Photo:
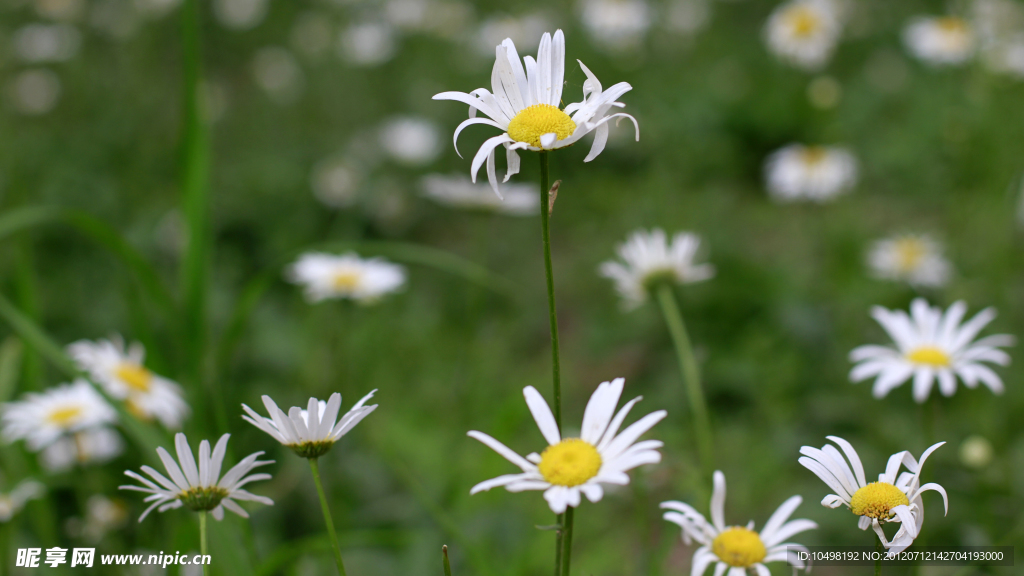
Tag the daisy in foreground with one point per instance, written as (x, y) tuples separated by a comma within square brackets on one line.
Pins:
[(571, 466), (737, 548), (648, 258), (930, 345), (121, 372), (914, 259), (894, 498), (940, 41), (327, 276), (816, 173), (524, 104), (804, 32), (311, 433), (200, 489)]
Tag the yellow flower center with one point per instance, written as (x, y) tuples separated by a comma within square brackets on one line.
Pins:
[(877, 500), (346, 281), (909, 252), (952, 25), (803, 22), (540, 119), (813, 155), (136, 377), (929, 355), (739, 547), (65, 416), (571, 462)]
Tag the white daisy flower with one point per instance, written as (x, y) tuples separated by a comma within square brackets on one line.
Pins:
[(120, 370), (737, 548), (460, 192), (525, 103), (90, 446), (12, 502), (894, 498), (911, 258), (804, 32), (571, 466), (931, 345), (200, 488), (816, 173), (649, 258), (305, 438), (940, 41), (326, 276), (42, 418), (616, 24)]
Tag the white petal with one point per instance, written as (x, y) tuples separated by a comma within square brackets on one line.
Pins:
[(542, 414)]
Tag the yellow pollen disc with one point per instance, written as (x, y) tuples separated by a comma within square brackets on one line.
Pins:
[(909, 252), (876, 500), (346, 281), (803, 21), (813, 155), (65, 416), (953, 25), (540, 119), (739, 547), (136, 377), (571, 462), (929, 355)]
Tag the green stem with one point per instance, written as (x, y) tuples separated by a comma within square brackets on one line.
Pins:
[(559, 519), (556, 379), (327, 515), (447, 566), (691, 372), (567, 555), (879, 551), (203, 549)]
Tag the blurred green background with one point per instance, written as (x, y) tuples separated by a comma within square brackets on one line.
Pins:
[(289, 99)]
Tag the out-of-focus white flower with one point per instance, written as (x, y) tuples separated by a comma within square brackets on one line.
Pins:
[(805, 32), (915, 259), (931, 345), (940, 41), (894, 498), (649, 258), (60, 9), (460, 192), (240, 14), (156, 8), (41, 418), (102, 515), (117, 19), (995, 20), (407, 14), (12, 502), (309, 438), (326, 276), (34, 92), (616, 24), (201, 488), (312, 34), (688, 16), (367, 43), (336, 182), (121, 372), (90, 446), (410, 140), (1007, 56), (520, 30), (737, 548), (40, 43), (815, 173), (447, 18), (976, 452), (278, 73)]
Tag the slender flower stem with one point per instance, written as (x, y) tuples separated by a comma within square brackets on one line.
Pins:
[(556, 379), (567, 555), (327, 515), (202, 541), (879, 552), (447, 566), (691, 372)]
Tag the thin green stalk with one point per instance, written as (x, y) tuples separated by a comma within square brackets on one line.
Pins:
[(202, 541), (879, 552), (556, 379), (691, 373), (327, 515), (559, 519), (567, 555), (447, 566)]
